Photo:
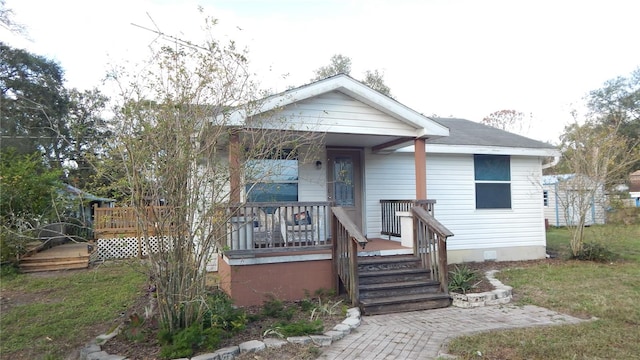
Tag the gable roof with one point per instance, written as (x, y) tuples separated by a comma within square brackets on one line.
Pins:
[(425, 126)]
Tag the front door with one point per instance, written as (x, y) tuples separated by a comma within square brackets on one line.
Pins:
[(345, 182)]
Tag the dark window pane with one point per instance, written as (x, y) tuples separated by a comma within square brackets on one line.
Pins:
[(493, 196), (343, 186), (492, 167), (270, 192)]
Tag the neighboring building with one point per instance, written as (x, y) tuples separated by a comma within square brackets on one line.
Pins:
[(561, 199), (634, 187)]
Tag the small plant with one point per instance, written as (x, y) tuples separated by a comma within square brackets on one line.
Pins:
[(275, 308), (593, 251), (223, 315), (326, 309), (273, 331), (300, 328), (134, 330), (463, 279)]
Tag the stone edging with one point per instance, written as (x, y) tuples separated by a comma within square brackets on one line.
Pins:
[(501, 294), (92, 351)]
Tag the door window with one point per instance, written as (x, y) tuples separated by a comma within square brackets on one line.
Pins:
[(343, 186)]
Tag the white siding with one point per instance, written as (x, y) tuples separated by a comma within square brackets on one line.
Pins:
[(336, 112), (450, 181), (557, 216), (312, 183)]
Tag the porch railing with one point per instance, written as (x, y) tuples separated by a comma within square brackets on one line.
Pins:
[(262, 225), (430, 244), (124, 220), (346, 238), (391, 222)]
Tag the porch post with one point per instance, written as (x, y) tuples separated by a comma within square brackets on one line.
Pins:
[(234, 166), (420, 157)]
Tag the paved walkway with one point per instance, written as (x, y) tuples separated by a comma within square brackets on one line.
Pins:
[(422, 334)]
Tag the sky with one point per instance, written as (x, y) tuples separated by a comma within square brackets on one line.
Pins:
[(454, 58)]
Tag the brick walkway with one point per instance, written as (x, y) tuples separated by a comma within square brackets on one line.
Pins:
[(422, 334)]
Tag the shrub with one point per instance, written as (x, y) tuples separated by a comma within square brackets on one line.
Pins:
[(593, 251), (275, 308), (186, 341), (463, 279), (222, 314), (300, 328)]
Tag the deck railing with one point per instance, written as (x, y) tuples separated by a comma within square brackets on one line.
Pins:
[(262, 225), (430, 244), (389, 208), (346, 238), (124, 220)]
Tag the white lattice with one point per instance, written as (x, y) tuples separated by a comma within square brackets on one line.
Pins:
[(124, 248)]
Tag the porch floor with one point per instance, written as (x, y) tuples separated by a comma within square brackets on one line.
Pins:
[(382, 247)]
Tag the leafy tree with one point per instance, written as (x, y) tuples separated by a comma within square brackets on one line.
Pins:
[(33, 104), (599, 157), (617, 104), (340, 64), (87, 136), (175, 129), (29, 192)]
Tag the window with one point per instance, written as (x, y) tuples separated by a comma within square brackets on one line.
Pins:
[(545, 197), (493, 181), (274, 179)]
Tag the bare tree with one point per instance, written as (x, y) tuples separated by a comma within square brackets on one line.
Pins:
[(507, 120), (182, 145)]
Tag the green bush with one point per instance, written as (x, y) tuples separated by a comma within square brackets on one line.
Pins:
[(222, 314), (593, 251), (275, 308), (185, 342), (300, 328), (463, 279)]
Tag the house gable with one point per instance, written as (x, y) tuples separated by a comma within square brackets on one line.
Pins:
[(321, 104)]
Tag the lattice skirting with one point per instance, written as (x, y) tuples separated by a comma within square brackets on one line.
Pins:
[(125, 248)]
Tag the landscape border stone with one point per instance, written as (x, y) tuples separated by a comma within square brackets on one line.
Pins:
[(93, 350), (501, 295)]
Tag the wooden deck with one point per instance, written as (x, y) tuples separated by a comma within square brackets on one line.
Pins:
[(61, 257)]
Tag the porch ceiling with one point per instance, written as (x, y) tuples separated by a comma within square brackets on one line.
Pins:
[(357, 140)]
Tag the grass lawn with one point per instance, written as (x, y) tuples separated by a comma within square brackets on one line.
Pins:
[(49, 315), (608, 291)]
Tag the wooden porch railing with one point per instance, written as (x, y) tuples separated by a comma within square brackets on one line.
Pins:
[(390, 222), (346, 238), (263, 225), (430, 244), (124, 220)]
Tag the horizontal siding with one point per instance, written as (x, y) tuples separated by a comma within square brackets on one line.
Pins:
[(338, 113), (522, 225), (388, 177), (312, 182)]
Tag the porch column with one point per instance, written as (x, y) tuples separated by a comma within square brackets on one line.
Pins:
[(420, 157), (234, 166)]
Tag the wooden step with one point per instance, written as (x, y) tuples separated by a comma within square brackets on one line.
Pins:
[(397, 275), (375, 263), (34, 260), (413, 302), (54, 267), (370, 291)]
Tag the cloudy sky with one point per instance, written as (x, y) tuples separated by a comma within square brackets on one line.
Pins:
[(450, 58)]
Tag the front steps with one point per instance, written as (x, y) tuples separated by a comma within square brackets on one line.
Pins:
[(397, 283), (62, 257)]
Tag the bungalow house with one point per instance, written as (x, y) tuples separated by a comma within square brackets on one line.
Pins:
[(564, 194), (471, 192)]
